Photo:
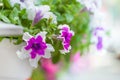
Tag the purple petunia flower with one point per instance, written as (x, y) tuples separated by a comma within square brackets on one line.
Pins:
[(37, 46), (99, 43), (98, 35), (38, 17), (97, 30), (66, 35)]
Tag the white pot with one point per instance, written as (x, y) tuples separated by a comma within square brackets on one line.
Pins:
[(11, 67)]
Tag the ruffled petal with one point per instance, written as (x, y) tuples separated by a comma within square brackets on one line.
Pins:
[(26, 36), (34, 62), (48, 51), (39, 38), (49, 15), (43, 8), (63, 26), (23, 54), (50, 48), (42, 34), (65, 51)]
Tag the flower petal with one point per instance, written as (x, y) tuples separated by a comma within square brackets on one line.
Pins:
[(43, 8), (42, 34), (50, 47), (38, 38), (34, 62), (65, 51), (41, 52), (49, 15), (23, 54), (26, 36), (48, 50), (33, 54), (62, 26)]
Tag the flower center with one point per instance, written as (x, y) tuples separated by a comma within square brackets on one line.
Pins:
[(66, 36), (36, 46)]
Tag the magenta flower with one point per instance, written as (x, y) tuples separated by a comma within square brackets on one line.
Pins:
[(66, 35), (37, 46)]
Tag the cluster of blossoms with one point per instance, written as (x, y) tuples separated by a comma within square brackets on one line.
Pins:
[(36, 46)]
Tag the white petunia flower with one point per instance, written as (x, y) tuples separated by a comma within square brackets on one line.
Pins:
[(35, 49), (36, 13), (13, 2), (91, 5), (49, 15)]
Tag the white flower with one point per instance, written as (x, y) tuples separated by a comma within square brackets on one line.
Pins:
[(42, 11), (49, 15), (35, 48), (91, 5), (13, 2), (32, 10)]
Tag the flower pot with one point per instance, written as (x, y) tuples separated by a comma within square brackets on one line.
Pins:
[(11, 67)]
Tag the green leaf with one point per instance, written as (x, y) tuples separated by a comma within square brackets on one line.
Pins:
[(55, 57), (14, 16), (7, 4), (18, 41), (37, 74), (1, 38), (69, 17), (23, 14), (4, 18)]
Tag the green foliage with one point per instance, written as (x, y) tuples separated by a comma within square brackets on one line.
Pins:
[(7, 4), (37, 74)]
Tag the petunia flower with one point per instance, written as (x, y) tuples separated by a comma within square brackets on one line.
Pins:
[(35, 49), (97, 33), (91, 5), (99, 43), (66, 35), (36, 13), (21, 2)]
